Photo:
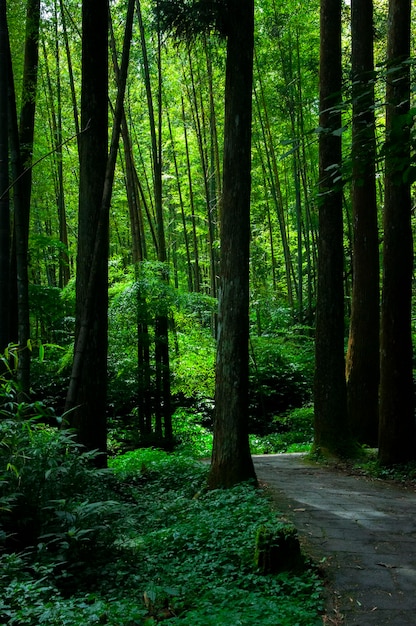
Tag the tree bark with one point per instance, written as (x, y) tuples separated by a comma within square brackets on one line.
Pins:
[(87, 390), (22, 207), (363, 363), (231, 459), (397, 425), (4, 184), (331, 424)]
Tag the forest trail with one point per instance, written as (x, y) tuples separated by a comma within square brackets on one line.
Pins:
[(363, 530)]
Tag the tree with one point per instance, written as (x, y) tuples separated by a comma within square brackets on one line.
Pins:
[(331, 423), (22, 205), (88, 402), (231, 459), (91, 427), (4, 183), (362, 366), (397, 426), (163, 416)]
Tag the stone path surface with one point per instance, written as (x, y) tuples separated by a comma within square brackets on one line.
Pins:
[(363, 531)]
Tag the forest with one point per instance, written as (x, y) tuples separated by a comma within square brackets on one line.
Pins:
[(206, 252)]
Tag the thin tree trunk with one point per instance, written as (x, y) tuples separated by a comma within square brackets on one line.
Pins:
[(274, 182), (200, 137), (70, 71), (4, 184), (196, 274), (22, 209), (64, 273), (182, 207), (163, 404)]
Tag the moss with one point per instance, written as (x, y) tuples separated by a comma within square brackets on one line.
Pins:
[(277, 549)]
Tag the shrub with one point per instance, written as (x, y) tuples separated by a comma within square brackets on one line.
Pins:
[(277, 384)]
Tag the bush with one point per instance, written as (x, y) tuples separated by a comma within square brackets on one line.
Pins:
[(174, 551), (277, 384), (293, 432), (49, 490)]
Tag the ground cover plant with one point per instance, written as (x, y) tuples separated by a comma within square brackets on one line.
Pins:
[(137, 543)]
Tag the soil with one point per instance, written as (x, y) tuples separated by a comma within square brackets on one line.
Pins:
[(360, 531)]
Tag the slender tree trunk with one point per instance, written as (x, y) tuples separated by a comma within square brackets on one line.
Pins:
[(64, 270), (274, 182), (182, 208), (362, 366), (397, 424), (4, 183), (231, 459), (163, 404), (70, 70), (16, 172), (22, 209), (199, 128), (331, 423), (196, 274)]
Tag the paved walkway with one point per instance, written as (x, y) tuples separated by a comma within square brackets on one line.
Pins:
[(364, 530)]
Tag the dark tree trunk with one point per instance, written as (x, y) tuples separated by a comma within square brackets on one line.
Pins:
[(196, 274), (363, 363), (89, 398), (397, 424), (4, 184), (86, 396), (163, 400), (331, 426), (231, 459), (22, 207)]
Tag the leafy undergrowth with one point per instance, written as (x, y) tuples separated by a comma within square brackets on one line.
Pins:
[(368, 464), (293, 432), (147, 543)]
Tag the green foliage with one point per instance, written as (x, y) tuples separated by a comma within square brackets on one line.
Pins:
[(277, 549), (158, 546), (278, 381), (206, 542), (293, 432), (186, 19), (193, 366), (48, 488), (368, 463), (191, 436)]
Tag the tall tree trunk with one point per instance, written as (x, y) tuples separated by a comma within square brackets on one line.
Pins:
[(22, 209), (182, 208), (90, 418), (397, 424), (199, 128), (231, 459), (274, 183), (331, 423), (163, 403), (196, 274), (362, 366), (87, 391), (4, 183), (64, 270)]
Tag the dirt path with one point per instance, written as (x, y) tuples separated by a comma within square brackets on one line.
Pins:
[(364, 530)]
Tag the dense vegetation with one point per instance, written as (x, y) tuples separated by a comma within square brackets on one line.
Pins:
[(131, 205), (138, 543)]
